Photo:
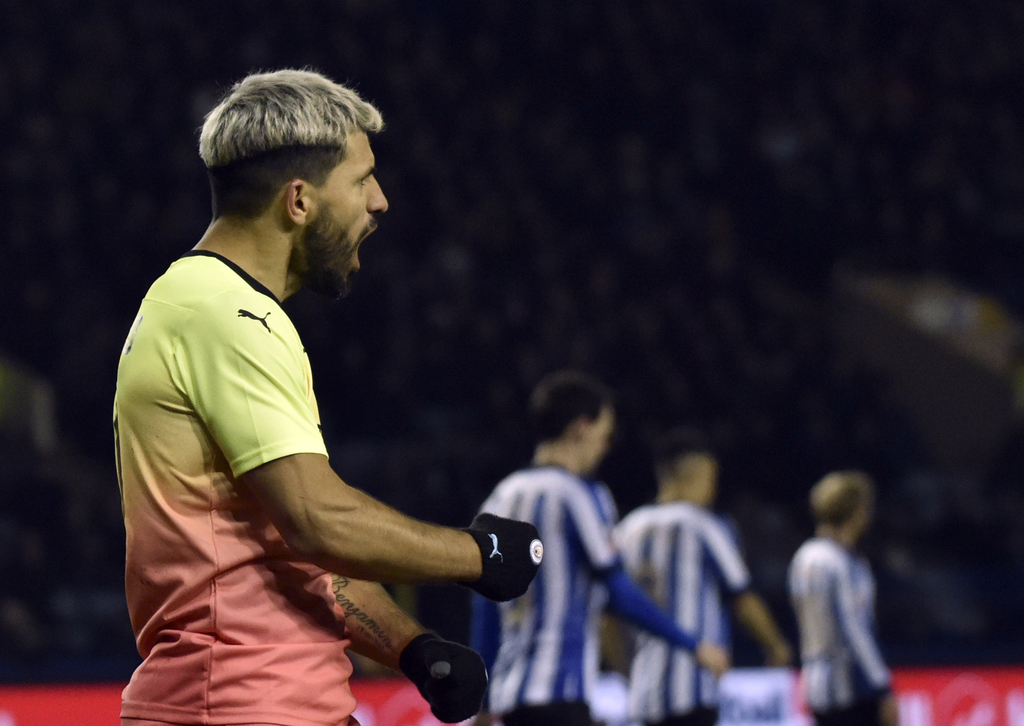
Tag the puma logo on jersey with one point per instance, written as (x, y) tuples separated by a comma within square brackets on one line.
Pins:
[(494, 539), (263, 320)]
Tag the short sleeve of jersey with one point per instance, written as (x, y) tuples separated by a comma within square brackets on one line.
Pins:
[(247, 380), (593, 523), (725, 552), (627, 540)]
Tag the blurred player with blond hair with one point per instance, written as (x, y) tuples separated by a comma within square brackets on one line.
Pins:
[(833, 592)]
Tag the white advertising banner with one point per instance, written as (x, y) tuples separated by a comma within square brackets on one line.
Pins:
[(747, 697), (760, 696)]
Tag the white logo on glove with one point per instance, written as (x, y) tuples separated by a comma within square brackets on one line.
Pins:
[(536, 551), (494, 539)]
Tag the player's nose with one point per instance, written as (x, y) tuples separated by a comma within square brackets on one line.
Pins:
[(377, 201)]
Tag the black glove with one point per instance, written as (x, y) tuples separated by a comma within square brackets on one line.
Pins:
[(451, 677), (511, 553)]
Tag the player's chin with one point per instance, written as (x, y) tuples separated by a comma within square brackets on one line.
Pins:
[(341, 288), (351, 265), (342, 282)]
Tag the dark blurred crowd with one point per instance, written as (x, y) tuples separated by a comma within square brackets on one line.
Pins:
[(653, 191)]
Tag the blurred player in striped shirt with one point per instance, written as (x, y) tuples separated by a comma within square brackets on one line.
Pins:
[(688, 559), (543, 673), (845, 679)]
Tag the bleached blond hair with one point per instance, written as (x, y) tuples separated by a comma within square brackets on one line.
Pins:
[(285, 108), (839, 495)]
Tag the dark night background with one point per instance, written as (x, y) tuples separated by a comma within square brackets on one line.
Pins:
[(666, 194)]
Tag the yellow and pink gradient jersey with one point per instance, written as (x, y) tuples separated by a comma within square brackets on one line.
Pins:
[(212, 382)]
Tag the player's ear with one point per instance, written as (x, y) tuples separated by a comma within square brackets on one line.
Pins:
[(578, 428), (299, 201)]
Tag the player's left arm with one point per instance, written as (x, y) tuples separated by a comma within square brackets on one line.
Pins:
[(857, 634), (753, 614), (379, 629), (748, 607), (450, 676)]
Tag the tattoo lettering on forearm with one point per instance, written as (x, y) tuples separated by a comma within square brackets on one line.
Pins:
[(367, 624)]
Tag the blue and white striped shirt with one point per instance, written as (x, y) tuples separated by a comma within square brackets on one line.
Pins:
[(687, 557), (833, 593), (550, 636)]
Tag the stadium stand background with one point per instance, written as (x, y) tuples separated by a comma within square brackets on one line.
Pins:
[(662, 193)]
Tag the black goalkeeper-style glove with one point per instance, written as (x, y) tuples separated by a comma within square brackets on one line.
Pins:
[(451, 677), (511, 551)]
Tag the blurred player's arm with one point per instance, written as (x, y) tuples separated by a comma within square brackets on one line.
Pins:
[(722, 541), (485, 639), (859, 638), (485, 630), (861, 642), (616, 645), (889, 710), (752, 613), (627, 600), (347, 531)]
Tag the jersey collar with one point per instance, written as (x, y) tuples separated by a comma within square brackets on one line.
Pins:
[(253, 282)]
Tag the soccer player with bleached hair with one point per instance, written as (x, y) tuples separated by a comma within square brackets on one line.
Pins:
[(833, 591), (251, 567)]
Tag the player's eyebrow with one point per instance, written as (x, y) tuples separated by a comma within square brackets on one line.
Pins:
[(369, 172)]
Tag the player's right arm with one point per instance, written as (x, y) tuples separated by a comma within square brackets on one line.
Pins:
[(349, 532), (243, 372)]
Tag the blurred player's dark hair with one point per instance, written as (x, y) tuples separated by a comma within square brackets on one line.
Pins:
[(561, 398), (676, 443)]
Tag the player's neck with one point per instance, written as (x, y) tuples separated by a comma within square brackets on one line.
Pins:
[(562, 454), (683, 490), (840, 535), (262, 252)]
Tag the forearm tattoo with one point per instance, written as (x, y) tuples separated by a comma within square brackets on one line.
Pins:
[(355, 616)]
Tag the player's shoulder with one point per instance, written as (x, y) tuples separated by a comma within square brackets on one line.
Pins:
[(638, 520), (223, 302), (520, 483), (197, 280), (820, 553), (678, 513), (549, 478), (514, 483), (537, 481), (693, 513)]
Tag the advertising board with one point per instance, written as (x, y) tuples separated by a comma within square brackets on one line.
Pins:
[(749, 697)]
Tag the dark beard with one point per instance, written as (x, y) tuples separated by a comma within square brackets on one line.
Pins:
[(323, 276)]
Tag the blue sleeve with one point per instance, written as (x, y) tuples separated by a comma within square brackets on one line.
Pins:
[(626, 599), (485, 632)]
